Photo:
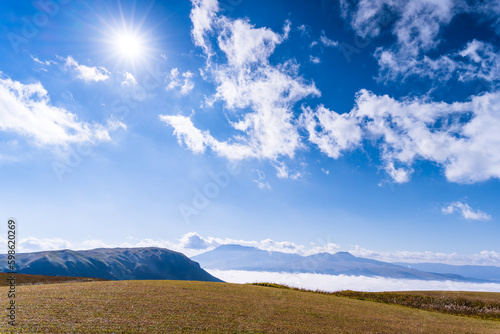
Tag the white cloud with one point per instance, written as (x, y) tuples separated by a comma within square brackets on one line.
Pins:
[(338, 132), (261, 180), (283, 172), (488, 10), (484, 62), (416, 26), (41, 62), (314, 60), (331, 283), (476, 61), (183, 81), (465, 211), (271, 245), (87, 73), (490, 258), (193, 240), (203, 15), (197, 140), (258, 95), (26, 110), (304, 30), (461, 137), (187, 133), (129, 80), (31, 244), (93, 244), (328, 42), (416, 23)]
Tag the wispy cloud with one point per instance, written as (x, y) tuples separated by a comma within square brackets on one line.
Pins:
[(417, 27), (328, 42), (182, 81), (304, 30), (283, 172), (314, 60), (86, 73), (465, 211), (129, 79), (333, 283), (43, 62), (261, 179)]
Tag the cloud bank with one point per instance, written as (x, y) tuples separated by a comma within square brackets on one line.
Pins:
[(192, 244), (333, 283)]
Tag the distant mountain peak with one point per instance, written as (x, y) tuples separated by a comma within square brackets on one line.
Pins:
[(345, 255), (237, 257), (235, 247)]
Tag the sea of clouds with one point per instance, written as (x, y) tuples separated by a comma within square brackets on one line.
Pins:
[(333, 283)]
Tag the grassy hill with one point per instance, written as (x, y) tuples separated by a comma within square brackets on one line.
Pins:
[(208, 307)]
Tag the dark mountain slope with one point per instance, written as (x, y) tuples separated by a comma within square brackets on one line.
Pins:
[(111, 263)]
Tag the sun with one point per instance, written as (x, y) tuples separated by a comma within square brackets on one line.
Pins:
[(129, 45), (126, 41)]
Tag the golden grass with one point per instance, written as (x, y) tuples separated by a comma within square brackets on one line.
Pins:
[(206, 307), (486, 297), (484, 305)]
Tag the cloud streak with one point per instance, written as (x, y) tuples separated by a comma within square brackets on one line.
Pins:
[(465, 211), (86, 73), (181, 81)]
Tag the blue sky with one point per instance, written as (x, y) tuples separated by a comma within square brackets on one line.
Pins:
[(299, 126)]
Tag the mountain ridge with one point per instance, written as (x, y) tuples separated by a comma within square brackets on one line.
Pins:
[(490, 273), (237, 257), (111, 263)]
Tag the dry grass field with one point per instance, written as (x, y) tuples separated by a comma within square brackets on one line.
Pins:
[(203, 307), (482, 305)]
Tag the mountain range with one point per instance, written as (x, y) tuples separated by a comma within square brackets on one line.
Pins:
[(111, 263), (236, 257), (490, 273), (159, 263)]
